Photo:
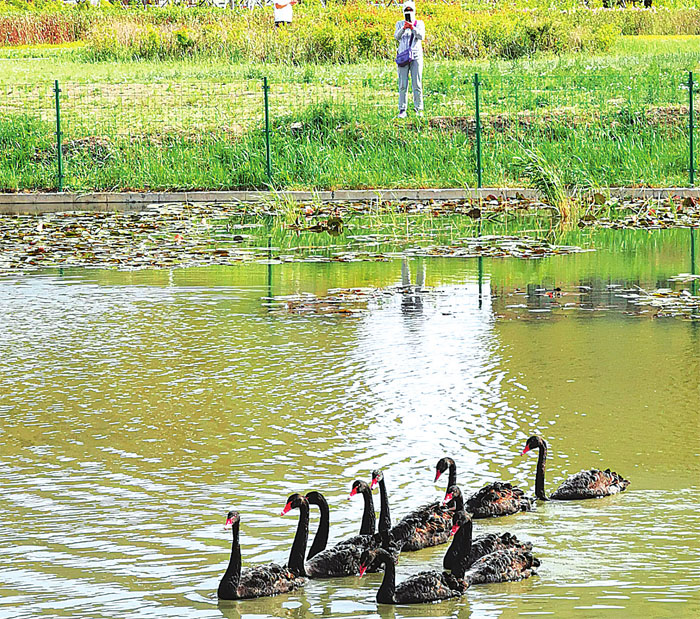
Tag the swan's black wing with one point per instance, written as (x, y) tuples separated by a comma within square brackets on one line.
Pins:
[(341, 560), (591, 484), (429, 586), (502, 566), (429, 525), (491, 542), (361, 541), (498, 499), (266, 580)]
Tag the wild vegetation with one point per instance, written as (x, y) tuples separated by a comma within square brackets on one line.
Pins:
[(339, 32), (184, 117)]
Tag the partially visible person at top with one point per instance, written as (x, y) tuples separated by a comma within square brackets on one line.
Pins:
[(410, 34), (283, 12)]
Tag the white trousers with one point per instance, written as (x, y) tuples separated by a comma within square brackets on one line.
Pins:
[(415, 68)]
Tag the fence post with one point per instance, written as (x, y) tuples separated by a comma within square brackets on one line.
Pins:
[(691, 127), (478, 131), (266, 88), (59, 135)]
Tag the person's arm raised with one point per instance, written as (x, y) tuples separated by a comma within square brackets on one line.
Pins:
[(419, 29)]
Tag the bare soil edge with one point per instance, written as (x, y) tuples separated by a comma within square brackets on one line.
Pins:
[(37, 203)]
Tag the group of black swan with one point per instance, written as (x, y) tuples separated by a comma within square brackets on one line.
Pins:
[(468, 561)]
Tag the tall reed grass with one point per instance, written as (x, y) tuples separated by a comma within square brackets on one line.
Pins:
[(339, 32)]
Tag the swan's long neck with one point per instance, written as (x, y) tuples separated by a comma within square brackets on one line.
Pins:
[(452, 480), (384, 515), (457, 556), (228, 586), (539, 478), (298, 551), (385, 595), (369, 518), (321, 538), (459, 506)]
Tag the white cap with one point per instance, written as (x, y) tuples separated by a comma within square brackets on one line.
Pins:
[(409, 5)]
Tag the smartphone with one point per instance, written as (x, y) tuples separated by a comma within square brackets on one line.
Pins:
[(407, 16)]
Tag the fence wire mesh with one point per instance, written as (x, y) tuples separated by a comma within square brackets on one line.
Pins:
[(327, 134)]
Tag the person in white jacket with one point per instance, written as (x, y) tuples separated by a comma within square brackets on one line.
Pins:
[(283, 12), (406, 28)]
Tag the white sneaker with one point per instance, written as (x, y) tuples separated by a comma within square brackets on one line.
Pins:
[(419, 112), (403, 114)]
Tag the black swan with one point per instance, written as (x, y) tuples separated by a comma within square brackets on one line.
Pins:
[(384, 514), (591, 484), (343, 559), (427, 526), (369, 518), (261, 580), (483, 544), (431, 586), (498, 566), (496, 499)]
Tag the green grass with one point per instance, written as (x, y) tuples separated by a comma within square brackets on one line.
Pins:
[(606, 119)]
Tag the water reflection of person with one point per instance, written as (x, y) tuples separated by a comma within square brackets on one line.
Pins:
[(411, 296)]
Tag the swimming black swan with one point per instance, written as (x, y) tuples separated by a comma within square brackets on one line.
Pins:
[(369, 518), (431, 586), (343, 559), (496, 499), (427, 526), (384, 514), (591, 484), (483, 544), (261, 580), (363, 539), (498, 566)]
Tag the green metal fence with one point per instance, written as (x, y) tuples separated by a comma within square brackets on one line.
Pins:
[(256, 133)]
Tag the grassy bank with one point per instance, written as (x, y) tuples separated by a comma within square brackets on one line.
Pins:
[(192, 135), (340, 32), (606, 118)]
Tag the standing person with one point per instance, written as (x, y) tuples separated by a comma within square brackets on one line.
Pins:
[(410, 34), (283, 12)]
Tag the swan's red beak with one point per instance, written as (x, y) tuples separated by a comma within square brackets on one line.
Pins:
[(454, 530), (437, 475), (447, 499), (375, 481), (228, 524), (287, 507), (527, 448), (363, 569), (353, 492)]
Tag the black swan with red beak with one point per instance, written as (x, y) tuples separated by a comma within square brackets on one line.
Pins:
[(343, 559), (501, 565), (434, 586), (429, 586), (496, 499), (483, 544), (427, 526), (269, 579), (592, 484)]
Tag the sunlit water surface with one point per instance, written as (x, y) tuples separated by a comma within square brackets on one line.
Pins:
[(138, 408)]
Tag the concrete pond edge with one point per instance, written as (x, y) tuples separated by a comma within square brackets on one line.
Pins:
[(38, 203)]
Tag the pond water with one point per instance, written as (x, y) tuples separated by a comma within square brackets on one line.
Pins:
[(137, 408)]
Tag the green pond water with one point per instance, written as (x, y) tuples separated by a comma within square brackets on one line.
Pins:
[(137, 408)]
